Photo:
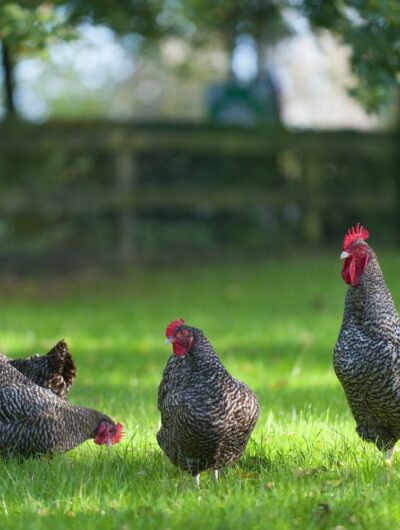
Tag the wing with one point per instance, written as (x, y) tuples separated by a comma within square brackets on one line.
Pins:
[(55, 371), (166, 383), (172, 388), (25, 403), (31, 421), (8, 374)]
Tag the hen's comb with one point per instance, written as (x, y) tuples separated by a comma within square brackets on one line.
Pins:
[(118, 435), (354, 233), (174, 324)]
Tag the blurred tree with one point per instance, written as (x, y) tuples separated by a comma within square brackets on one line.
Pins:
[(260, 19), (26, 27), (146, 18), (29, 26), (372, 29)]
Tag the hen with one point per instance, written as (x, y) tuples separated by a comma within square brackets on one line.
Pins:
[(367, 354), (207, 416), (34, 421), (56, 370)]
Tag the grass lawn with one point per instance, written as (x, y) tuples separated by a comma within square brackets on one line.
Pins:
[(273, 325)]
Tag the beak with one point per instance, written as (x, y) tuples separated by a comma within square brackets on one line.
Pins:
[(109, 443), (344, 255), (168, 340)]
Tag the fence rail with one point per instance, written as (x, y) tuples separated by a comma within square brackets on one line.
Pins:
[(113, 137), (296, 164)]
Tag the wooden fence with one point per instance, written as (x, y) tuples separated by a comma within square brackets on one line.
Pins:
[(304, 158)]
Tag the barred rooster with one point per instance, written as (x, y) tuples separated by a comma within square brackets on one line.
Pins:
[(34, 421), (367, 354), (207, 416), (56, 370)]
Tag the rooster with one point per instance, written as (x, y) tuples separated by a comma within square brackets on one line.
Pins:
[(55, 371), (367, 353), (34, 421), (207, 416)]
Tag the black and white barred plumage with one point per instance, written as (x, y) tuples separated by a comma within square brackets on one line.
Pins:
[(34, 421), (367, 356), (56, 370), (207, 416)]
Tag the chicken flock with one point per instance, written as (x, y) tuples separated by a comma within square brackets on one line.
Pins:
[(35, 417), (208, 416)]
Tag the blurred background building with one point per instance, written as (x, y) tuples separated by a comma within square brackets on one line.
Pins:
[(147, 131)]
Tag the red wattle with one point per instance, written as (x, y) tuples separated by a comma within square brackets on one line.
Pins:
[(346, 270), (179, 350), (118, 435), (353, 269)]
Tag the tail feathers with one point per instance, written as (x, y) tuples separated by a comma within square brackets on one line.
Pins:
[(63, 368), (55, 371)]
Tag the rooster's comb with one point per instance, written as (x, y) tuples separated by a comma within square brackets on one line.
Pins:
[(172, 325), (354, 233)]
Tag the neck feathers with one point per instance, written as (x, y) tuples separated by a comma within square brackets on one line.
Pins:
[(203, 355), (370, 303)]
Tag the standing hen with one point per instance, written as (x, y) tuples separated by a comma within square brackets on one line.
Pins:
[(34, 421), (56, 370), (207, 416), (367, 354)]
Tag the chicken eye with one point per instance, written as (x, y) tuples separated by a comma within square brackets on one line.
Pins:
[(184, 332)]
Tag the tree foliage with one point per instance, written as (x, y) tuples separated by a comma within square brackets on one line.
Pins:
[(372, 29), (262, 19), (31, 26)]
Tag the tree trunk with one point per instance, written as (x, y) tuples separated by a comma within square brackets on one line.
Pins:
[(230, 42), (9, 84), (261, 58)]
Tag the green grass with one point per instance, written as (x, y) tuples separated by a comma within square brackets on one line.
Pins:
[(274, 326)]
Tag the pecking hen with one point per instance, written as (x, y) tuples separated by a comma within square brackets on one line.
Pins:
[(34, 421), (207, 416), (367, 353), (56, 370)]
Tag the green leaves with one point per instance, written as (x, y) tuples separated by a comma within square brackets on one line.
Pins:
[(31, 29), (372, 29)]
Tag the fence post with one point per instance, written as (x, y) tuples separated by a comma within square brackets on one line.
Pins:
[(125, 174), (312, 186)]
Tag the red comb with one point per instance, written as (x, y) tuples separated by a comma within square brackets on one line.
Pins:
[(354, 233), (118, 435), (174, 324)]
